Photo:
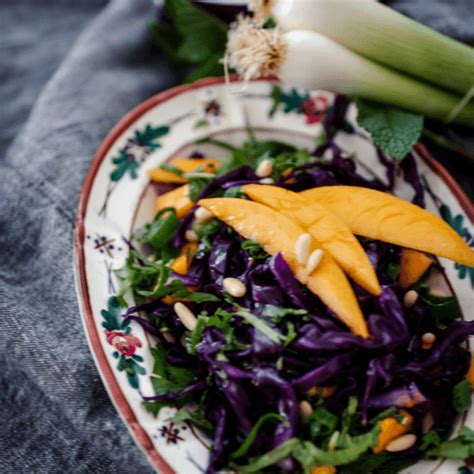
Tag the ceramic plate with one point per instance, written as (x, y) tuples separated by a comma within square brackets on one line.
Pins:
[(117, 198)]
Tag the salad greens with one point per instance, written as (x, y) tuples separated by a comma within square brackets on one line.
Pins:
[(249, 362)]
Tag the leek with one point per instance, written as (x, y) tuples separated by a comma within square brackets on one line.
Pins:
[(312, 61), (381, 34)]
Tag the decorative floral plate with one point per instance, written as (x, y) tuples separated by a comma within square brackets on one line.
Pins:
[(116, 199)]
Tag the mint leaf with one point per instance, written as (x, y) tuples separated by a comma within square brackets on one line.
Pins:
[(462, 396), (393, 130)]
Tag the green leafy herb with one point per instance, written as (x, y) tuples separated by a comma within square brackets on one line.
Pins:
[(206, 229), (288, 160), (196, 187), (171, 169), (235, 192), (393, 270), (244, 447), (258, 463), (430, 439), (462, 396), (460, 447), (254, 250), (443, 309), (322, 423), (159, 233), (195, 417), (393, 130), (167, 378), (310, 455), (278, 314), (192, 37), (259, 324)]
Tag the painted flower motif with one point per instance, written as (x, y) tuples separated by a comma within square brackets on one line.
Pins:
[(126, 344), (314, 108), (210, 109)]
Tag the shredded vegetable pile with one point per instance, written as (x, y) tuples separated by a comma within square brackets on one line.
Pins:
[(273, 377)]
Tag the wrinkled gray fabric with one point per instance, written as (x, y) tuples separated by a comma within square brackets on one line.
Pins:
[(95, 63)]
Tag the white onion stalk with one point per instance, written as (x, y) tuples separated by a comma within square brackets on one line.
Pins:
[(379, 33), (311, 61)]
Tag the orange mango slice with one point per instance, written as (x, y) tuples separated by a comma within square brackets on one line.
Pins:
[(413, 265), (181, 263), (335, 237), (177, 199), (185, 165), (391, 429), (323, 470), (380, 216), (470, 374), (276, 233)]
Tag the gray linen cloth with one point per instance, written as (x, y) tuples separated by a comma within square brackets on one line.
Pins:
[(55, 415)]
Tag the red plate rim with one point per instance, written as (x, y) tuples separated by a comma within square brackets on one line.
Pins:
[(108, 377)]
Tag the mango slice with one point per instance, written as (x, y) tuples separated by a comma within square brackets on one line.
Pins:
[(177, 199), (181, 263), (185, 165), (391, 429), (470, 374), (334, 236), (413, 265), (276, 233), (380, 216)]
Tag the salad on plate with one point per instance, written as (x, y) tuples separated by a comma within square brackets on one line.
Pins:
[(299, 314)]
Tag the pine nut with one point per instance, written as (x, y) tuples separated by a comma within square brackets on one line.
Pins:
[(306, 410), (427, 423), (302, 246), (333, 441), (168, 337), (185, 315), (266, 181), (264, 169), (201, 214), (428, 339), (191, 236), (401, 444), (234, 287), (314, 260), (410, 298)]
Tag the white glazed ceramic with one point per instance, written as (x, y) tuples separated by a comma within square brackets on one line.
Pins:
[(116, 198)]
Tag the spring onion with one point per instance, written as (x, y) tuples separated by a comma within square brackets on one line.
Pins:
[(381, 34), (309, 60)]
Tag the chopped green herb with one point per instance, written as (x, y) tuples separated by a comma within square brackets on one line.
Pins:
[(195, 417), (254, 250), (158, 234), (459, 448), (462, 396), (171, 169)]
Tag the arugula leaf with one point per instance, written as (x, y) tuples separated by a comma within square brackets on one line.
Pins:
[(278, 314), (443, 309), (322, 423), (196, 187), (235, 192), (430, 439), (459, 448), (192, 36), (244, 447), (310, 455), (258, 463), (254, 250), (393, 130), (393, 270), (195, 417), (167, 378), (462, 396), (206, 229)]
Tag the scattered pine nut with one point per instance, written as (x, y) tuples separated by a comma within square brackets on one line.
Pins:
[(191, 236), (234, 287), (201, 214), (264, 169), (333, 441), (410, 298), (401, 444), (266, 181), (427, 340), (168, 337), (314, 260), (302, 246), (185, 315), (427, 423), (306, 410)]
